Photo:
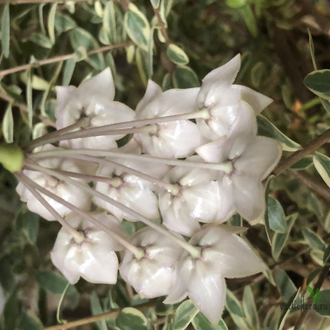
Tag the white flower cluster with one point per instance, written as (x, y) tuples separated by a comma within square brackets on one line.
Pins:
[(194, 159)]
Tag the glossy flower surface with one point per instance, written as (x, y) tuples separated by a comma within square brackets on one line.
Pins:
[(92, 99), (221, 98), (252, 158), (153, 275), (94, 257), (65, 190), (197, 199), (223, 255), (174, 138)]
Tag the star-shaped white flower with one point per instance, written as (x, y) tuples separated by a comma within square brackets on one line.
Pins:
[(223, 255), (92, 99), (221, 98), (197, 199), (67, 191), (252, 159), (174, 138), (152, 275), (92, 258), (129, 189)]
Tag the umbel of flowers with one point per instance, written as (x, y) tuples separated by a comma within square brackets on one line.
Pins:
[(192, 161)]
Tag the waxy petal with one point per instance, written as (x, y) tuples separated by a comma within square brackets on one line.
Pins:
[(223, 76)]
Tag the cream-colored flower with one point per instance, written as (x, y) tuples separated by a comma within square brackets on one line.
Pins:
[(94, 257), (92, 99), (223, 255)]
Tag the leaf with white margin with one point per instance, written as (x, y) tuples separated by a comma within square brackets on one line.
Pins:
[(137, 26), (314, 240), (8, 125), (131, 319), (177, 55), (286, 311), (200, 322), (250, 308), (266, 128), (184, 315), (322, 164), (276, 215)]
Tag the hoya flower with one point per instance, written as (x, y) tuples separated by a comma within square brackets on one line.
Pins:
[(222, 255), (129, 189), (197, 199), (92, 99), (252, 159), (221, 98), (152, 275), (92, 257), (174, 138), (63, 189)]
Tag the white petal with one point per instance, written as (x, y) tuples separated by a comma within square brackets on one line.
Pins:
[(214, 152), (100, 264), (226, 196), (257, 101), (148, 107), (100, 86), (249, 197), (222, 76), (176, 214), (208, 293), (259, 158), (232, 257)]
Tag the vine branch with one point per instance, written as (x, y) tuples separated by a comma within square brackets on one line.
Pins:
[(62, 58)]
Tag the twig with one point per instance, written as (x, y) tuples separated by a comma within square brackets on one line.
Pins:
[(318, 285), (14, 2), (96, 318), (310, 181), (162, 26), (310, 148), (23, 107), (62, 58)]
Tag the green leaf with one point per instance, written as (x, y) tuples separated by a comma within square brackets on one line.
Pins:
[(184, 315), (131, 319), (167, 82), (233, 305), (302, 164), (7, 278), (141, 62), (284, 285), (63, 23), (286, 311), (326, 105), (326, 254), (177, 55), (249, 20), (266, 128), (323, 305), (311, 49), (250, 309), (109, 22), (51, 22), (184, 77), (36, 82), (56, 284), (81, 38), (155, 3), (314, 204), (257, 73), (313, 274), (317, 256), (322, 164), (310, 289), (41, 40), (276, 215), (314, 240), (30, 226), (69, 67), (8, 125), (10, 311), (5, 31), (29, 95), (279, 239), (137, 27), (96, 310), (266, 219), (30, 322), (319, 83), (200, 322), (149, 57), (236, 3)]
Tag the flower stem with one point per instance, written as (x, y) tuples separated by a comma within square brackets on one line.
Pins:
[(162, 184), (85, 133), (225, 167), (82, 122), (136, 251), (31, 186), (194, 251)]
